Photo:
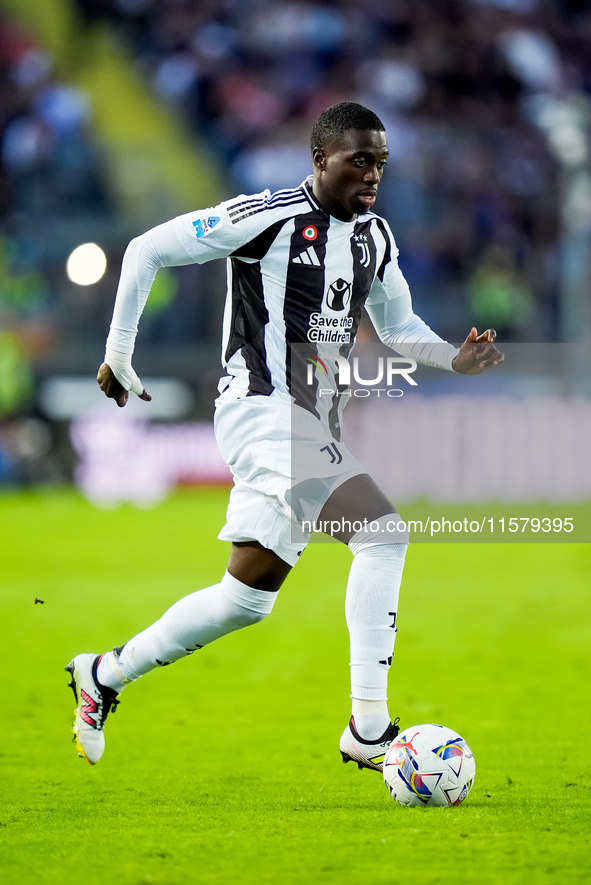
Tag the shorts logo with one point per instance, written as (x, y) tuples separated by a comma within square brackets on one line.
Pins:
[(310, 232), (204, 225), (334, 453)]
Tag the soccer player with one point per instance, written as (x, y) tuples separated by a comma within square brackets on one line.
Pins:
[(302, 265)]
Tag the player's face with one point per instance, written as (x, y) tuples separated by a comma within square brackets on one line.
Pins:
[(347, 172)]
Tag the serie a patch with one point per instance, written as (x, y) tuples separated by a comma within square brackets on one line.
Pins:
[(204, 225)]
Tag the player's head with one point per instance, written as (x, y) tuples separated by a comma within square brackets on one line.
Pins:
[(349, 151), (338, 119)]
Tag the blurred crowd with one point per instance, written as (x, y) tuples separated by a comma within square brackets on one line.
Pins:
[(52, 185), (472, 189)]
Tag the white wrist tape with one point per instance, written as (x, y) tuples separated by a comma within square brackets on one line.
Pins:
[(120, 365)]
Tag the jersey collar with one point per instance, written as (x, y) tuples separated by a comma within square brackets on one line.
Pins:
[(306, 187)]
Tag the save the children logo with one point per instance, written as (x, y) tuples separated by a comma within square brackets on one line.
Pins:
[(332, 325), (338, 295), (325, 329)]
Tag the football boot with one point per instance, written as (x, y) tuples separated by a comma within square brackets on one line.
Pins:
[(367, 754), (94, 703)]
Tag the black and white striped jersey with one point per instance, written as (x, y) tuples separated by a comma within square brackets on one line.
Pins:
[(298, 280)]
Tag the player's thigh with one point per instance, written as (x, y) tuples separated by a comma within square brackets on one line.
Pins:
[(357, 499)]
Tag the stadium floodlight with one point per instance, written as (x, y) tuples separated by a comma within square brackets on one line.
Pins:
[(86, 264)]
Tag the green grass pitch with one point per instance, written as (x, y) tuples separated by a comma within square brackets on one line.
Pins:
[(225, 768)]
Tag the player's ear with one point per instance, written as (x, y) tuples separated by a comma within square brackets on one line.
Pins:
[(319, 158)]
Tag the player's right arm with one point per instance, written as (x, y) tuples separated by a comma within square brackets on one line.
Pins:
[(196, 237), (159, 247)]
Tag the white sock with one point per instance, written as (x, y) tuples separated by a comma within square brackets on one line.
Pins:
[(189, 624), (370, 718), (371, 606), (109, 672)]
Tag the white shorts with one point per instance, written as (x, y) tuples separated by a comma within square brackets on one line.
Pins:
[(285, 466)]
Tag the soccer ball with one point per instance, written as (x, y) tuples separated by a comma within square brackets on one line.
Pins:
[(429, 765)]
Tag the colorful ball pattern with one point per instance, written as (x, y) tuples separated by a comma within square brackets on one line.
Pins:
[(429, 765)]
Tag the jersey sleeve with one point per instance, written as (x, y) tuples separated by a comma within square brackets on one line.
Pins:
[(196, 237), (410, 336), (221, 230), (389, 306), (389, 283)]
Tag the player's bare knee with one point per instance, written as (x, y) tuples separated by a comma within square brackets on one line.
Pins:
[(256, 567)]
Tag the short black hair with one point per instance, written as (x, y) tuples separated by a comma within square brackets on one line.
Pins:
[(339, 118)]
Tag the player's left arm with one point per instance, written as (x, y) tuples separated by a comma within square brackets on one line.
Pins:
[(389, 306), (407, 334), (390, 310)]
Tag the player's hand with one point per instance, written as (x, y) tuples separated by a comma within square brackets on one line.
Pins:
[(477, 353), (117, 377)]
